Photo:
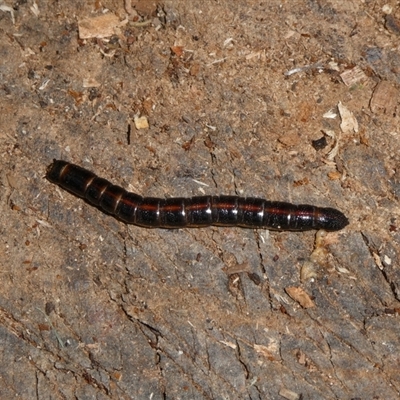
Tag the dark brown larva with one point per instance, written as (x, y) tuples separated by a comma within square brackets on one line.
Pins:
[(192, 212)]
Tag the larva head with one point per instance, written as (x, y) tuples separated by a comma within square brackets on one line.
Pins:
[(330, 219)]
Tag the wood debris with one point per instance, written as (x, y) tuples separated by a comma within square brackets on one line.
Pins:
[(349, 121), (384, 99), (5, 8), (98, 27), (270, 352), (353, 76), (299, 295), (288, 394), (392, 24), (141, 122)]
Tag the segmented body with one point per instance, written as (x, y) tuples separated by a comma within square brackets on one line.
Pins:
[(199, 211)]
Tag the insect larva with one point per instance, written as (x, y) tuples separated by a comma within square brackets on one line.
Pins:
[(192, 212)]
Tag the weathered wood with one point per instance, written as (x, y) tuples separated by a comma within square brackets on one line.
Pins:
[(91, 307)]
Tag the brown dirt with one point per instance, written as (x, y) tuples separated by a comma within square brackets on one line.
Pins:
[(93, 308)]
